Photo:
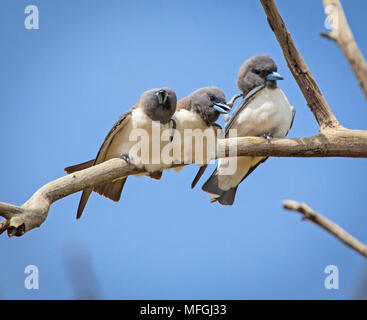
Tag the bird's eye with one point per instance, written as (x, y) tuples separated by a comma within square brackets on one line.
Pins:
[(211, 98), (257, 71)]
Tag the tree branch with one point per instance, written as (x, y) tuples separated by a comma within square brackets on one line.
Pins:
[(299, 69), (329, 226), (343, 36), (318, 105), (338, 143)]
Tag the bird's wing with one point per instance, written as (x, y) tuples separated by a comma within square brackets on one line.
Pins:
[(293, 115), (202, 168), (242, 106), (119, 124)]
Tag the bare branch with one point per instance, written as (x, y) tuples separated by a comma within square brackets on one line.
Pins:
[(337, 143), (299, 69), (4, 225), (343, 36), (326, 224), (323, 114)]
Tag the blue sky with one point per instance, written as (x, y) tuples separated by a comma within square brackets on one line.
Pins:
[(63, 86)]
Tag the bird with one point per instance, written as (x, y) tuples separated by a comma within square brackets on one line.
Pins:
[(155, 106), (195, 137), (265, 111)]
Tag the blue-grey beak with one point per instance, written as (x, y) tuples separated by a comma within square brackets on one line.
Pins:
[(162, 96), (221, 107), (274, 76)]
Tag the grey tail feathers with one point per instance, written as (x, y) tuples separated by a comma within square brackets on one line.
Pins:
[(157, 175), (198, 175), (225, 197), (111, 190), (222, 196), (83, 201)]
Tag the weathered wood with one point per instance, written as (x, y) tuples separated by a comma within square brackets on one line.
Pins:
[(329, 226), (343, 36), (299, 69)]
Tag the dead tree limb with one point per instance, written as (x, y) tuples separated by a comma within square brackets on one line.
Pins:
[(329, 126), (299, 69), (19, 220), (343, 36), (329, 226)]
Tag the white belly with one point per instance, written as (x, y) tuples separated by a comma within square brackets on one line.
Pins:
[(194, 141), (269, 112)]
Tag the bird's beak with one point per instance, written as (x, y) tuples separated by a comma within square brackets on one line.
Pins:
[(162, 96), (274, 76), (221, 107)]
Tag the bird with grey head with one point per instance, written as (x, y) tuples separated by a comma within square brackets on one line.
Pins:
[(264, 111), (197, 113), (155, 105)]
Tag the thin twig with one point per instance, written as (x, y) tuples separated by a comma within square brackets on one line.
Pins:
[(343, 36), (329, 226)]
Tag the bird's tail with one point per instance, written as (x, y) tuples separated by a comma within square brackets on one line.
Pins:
[(227, 198), (198, 176), (111, 190), (224, 197), (245, 166)]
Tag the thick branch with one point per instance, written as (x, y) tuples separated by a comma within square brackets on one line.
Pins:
[(337, 143), (343, 36), (326, 224), (299, 69)]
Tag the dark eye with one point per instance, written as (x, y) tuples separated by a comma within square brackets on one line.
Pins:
[(211, 98), (257, 71)]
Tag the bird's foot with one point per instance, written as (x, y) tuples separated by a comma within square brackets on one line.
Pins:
[(268, 137), (126, 157)]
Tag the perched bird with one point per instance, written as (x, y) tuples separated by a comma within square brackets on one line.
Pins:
[(154, 105), (264, 111), (195, 137)]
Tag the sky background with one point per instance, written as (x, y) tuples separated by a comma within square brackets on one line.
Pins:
[(63, 86)]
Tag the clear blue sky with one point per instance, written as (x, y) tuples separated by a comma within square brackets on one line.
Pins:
[(63, 86)]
